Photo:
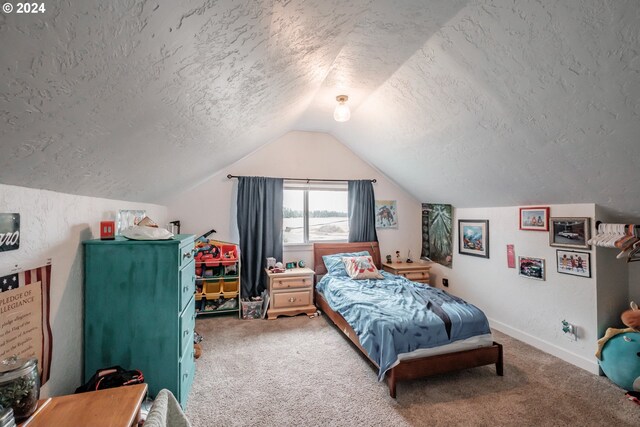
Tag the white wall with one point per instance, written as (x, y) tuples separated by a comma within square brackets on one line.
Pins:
[(211, 204), (53, 225), (634, 282), (527, 309)]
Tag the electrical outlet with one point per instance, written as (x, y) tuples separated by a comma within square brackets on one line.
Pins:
[(445, 283), (570, 330)]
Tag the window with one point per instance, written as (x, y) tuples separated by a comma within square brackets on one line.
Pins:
[(315, 213)]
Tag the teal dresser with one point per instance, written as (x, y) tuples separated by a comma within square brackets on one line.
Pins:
[(139, 310)]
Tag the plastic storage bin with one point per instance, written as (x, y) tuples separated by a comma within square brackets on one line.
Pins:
[(230, 288), (251, 309), (228, 254)]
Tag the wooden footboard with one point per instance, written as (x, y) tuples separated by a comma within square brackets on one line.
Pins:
[(424, 366)]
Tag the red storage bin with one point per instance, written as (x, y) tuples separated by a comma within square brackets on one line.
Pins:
[(228, 254)]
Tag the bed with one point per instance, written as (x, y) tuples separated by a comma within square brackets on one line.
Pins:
[(467, 352)]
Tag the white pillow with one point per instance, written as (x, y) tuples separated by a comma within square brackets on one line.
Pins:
[(361, 267)]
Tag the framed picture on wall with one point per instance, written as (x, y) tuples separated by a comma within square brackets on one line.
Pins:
[(473, 235), (531, 268), (569, 232), (535, 218), (574, 263), (386, 214)]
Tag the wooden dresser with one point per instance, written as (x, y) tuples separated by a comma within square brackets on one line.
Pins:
[(139, 310), (290, 293), (416, 271)]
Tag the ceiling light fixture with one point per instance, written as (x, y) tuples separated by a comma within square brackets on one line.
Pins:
[(342, 112)]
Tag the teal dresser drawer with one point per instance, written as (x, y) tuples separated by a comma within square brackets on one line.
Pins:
[(185, 253), (187, 373), (187, 285), (187, 324)]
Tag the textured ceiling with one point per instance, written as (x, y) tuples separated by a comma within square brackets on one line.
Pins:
[(486, 103)]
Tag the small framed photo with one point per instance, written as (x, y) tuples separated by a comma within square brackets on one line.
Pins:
[(574, 263), (569, 232), (473, 235), (531, 268), (535, 218)]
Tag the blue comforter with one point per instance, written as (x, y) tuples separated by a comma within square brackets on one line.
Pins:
[(395, 315)]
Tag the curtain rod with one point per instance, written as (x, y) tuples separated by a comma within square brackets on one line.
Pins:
[(306, 179)]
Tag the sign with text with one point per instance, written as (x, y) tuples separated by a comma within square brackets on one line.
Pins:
[(24, 317), (9, 231)]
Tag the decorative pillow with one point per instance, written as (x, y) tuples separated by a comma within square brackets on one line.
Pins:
[(361, 267), (334, 263)]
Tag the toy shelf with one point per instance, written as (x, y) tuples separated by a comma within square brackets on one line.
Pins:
[(217, 277)]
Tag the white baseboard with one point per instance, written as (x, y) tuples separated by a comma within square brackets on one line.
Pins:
[(547, 347)]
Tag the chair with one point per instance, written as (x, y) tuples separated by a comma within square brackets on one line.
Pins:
[(166, 412)]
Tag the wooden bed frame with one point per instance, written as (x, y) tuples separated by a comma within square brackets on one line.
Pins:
[(408, 369)]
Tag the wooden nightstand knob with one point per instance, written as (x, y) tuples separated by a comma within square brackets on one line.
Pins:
[(292, 299)]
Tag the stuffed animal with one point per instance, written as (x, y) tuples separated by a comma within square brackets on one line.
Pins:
[(619, 351), (631, 317)]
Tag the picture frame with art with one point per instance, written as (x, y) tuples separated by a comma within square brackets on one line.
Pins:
[(534, 218), (531, 268), (575, 263), (570, 232), (473, 237), (386, 213)]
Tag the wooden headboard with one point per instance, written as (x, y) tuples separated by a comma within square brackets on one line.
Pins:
[(320, 249)]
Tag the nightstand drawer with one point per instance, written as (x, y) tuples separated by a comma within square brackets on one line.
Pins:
[(415, 275), (291, 299), (291, 282)]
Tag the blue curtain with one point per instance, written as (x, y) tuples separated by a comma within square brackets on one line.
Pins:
[(362, 211), (260, 227)]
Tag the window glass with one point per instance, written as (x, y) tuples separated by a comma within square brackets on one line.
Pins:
[(328, 218), (293, 213), (315, 213)]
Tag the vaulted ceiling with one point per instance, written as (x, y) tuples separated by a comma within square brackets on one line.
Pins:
[(474, 103)]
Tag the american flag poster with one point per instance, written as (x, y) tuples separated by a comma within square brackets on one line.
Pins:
[(24, 317)]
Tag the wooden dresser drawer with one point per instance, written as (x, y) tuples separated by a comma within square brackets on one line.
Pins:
[(291, 282), (416, 272), (416, 275), (291, 299)]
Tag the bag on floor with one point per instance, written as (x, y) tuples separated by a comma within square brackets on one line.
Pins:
[(112, 377)]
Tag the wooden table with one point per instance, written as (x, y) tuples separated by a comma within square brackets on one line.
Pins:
[(113, 407), (417, 271)]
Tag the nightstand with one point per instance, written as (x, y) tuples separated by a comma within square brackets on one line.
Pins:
[(416, 271), (290, 293)]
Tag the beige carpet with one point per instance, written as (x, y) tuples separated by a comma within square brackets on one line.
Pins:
[(302, 372)]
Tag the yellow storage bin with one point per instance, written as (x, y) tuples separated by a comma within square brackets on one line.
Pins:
[(230, 288), (212, 289)]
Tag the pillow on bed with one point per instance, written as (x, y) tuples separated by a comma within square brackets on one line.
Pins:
[(361, 267), (334, 263)]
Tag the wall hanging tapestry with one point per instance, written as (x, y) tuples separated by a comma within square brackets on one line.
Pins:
[(437, 236), (24, 309)]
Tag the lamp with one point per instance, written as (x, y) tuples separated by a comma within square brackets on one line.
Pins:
[(342, 112)]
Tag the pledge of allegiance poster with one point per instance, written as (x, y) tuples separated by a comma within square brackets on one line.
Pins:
[(24, 317)]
